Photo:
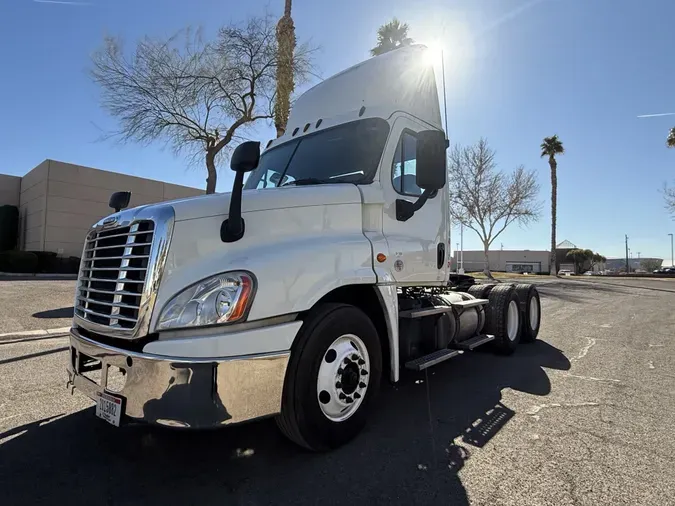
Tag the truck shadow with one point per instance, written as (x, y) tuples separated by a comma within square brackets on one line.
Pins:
[(421, 432), (64, 312)]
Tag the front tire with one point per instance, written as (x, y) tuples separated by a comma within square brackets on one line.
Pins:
[(332, 377)]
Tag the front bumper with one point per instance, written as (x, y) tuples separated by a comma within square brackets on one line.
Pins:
[(182, 392)]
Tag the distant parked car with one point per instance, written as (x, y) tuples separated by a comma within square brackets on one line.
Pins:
[(588, 273), (564, 272)]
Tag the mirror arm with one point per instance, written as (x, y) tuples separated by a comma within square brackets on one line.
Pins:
[(232, 229), (406, 209)]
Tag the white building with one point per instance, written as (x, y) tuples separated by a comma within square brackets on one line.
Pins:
[(505, 260)]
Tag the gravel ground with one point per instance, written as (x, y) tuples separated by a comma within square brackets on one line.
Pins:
[(580, 417), (35, 305)]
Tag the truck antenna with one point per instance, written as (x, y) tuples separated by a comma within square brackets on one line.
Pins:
[(445, 105)]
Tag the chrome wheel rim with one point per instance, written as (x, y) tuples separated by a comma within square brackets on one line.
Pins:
[(534, 313), (512, 320), (342, 382)]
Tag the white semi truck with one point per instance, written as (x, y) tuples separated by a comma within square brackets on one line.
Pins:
[(293, 295)]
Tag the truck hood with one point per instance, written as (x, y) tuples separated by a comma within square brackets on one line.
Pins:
[(263, 200)]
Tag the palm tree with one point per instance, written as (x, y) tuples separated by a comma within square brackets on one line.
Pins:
[(391, 36), (670, 141), (285, 84), (550, 147)]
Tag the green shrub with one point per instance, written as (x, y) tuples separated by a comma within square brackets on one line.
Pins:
[(47, 261), (9, 227), (18, 261)]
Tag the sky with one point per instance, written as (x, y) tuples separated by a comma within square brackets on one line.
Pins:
[(516, 71)]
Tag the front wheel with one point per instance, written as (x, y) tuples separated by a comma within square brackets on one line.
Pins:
[(333, 375)]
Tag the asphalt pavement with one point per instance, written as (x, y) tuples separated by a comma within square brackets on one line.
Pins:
[(34, 305), (580, 417)]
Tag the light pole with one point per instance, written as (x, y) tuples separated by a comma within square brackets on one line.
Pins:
[(461, 251), (672, 264), (457, 258)]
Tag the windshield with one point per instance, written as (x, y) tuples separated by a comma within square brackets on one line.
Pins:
[(347, 153)]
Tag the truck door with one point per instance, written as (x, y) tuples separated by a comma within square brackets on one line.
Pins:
[(418, 247)]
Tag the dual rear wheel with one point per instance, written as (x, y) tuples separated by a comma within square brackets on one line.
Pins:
[(513, 314)]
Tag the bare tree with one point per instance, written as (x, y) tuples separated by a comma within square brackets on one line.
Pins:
[(487, 200), (669, 199), (650, 264), (194, 95)]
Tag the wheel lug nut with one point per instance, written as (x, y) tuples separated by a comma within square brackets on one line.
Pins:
[(357, 395), (338, 385), (342, 396), (362, 362), (355, 356), (364, 372), (349, 400), (362, 385), (340, 370), (346, 360)]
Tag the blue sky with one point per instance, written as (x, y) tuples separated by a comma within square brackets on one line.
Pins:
[(517, 70)]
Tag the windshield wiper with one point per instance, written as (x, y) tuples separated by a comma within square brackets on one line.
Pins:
[(313, 180), (306, 180)]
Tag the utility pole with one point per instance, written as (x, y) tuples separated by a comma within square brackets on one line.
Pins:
[(672, 263), (627, 265)]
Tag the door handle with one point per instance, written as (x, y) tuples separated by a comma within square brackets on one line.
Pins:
[(440, 255)]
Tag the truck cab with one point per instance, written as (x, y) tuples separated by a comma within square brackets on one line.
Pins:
[(294, 294)]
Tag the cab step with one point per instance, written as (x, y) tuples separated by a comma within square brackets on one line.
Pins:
[(421, 363), (474, 342)]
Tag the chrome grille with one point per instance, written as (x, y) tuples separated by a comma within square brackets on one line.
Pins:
[(113, 274)]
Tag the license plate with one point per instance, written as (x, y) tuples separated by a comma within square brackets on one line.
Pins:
[(109, 408)]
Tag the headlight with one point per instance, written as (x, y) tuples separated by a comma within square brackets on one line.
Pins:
[(224, 298)]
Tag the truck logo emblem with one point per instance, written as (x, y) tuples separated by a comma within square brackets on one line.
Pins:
[(398, 265), (110, 221)]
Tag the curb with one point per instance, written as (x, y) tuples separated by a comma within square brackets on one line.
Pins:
[(11, 336)]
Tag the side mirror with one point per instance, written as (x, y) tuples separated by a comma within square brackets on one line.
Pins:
[(431, 160), (119, 200), (246, 157), (430, 168)]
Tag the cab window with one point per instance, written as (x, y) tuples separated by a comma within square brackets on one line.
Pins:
[(404, 171)]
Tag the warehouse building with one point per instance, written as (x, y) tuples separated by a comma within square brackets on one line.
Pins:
[(59, 201), (533, 261)]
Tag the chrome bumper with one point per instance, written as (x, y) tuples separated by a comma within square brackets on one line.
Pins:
[(183, 392)]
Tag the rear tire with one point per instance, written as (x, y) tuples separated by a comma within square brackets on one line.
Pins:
[(503, 319), (315, 413), (530, 312), (480, 291)]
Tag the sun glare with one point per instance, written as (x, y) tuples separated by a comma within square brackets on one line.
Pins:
[(433, 55)]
